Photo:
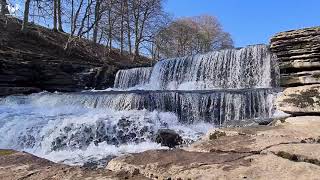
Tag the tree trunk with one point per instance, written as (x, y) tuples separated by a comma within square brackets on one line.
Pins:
[(121, 28), (59, 16), (55, 5), (75, 18), (110, 29), (136, 12), (25, 15), (128, 26), (88, 20), (4, 10), (71, 19), (96, 19), (86, 14)]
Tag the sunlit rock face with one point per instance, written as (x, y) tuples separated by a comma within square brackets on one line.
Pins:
[(298, 52)]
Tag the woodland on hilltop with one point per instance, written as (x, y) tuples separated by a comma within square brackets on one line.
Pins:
[(135, 27)]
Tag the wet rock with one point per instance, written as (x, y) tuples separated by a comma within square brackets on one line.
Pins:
[(100, 163), (302, 100), (168, 137)]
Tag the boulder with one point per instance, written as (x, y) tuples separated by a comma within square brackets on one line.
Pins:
[(298, 52), (168, 137), (302, 100)]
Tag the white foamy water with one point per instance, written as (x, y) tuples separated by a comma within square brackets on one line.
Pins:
[(76, 134)]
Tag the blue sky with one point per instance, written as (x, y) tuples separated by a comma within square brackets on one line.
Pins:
[(251, 21)]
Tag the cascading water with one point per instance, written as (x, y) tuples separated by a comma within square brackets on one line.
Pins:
[(189, 95), (132, 77), (251, 67)]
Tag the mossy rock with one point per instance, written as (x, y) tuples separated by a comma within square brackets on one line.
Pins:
[(217, 134), (6, 152)]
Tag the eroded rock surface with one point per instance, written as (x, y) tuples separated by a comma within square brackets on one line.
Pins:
[(20, 165), (302, 100), (298, 52), (286, 150)]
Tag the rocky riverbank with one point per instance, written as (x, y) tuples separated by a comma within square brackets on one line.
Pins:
[(287, 149)]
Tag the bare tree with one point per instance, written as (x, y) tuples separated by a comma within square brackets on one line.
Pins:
[(72, 16), (25, 15), (55, 17), (59, 14), (135, 26), (190, 36), (4, 9), (122, 14), (127, 19), (97, 16)]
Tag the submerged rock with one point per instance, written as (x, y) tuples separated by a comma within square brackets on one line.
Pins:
[(168, 137)]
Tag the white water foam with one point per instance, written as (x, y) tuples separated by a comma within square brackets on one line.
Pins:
[(74, 134)]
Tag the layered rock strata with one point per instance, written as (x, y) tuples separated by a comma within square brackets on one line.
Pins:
[(298, 52)]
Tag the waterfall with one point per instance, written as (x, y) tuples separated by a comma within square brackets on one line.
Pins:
[(250, 67), (132, 77), (188, 94)]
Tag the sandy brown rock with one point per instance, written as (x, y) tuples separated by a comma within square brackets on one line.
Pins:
[(287, 150), (258, 138), (302, 100), (19, 165)]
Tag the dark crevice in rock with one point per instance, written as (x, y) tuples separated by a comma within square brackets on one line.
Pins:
[(295, 114), (290, 70), (28, 175), (297, 158)]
